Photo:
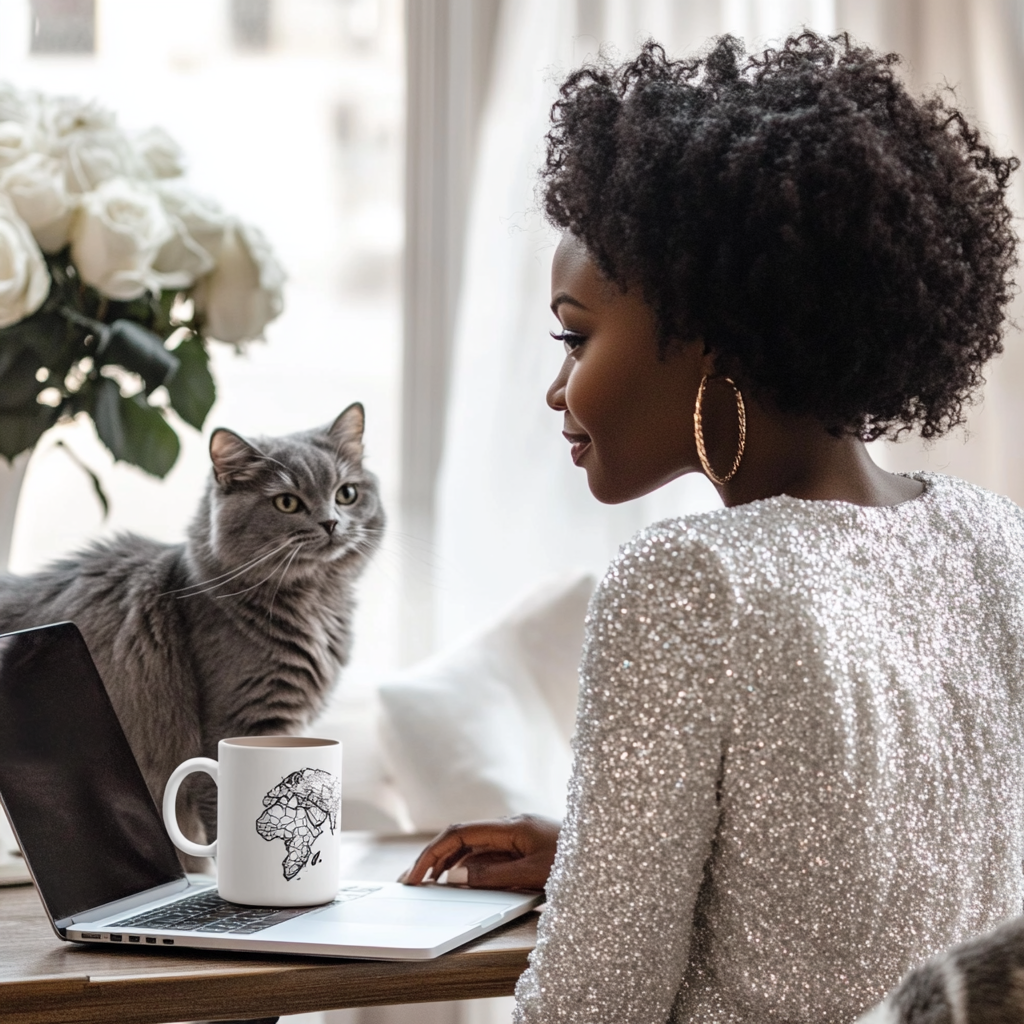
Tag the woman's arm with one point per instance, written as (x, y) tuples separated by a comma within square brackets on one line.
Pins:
[(652, 727)]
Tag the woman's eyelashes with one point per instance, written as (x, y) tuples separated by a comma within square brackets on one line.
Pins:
[(571, 339)]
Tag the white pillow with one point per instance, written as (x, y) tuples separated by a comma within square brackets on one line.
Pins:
[(482, 730)]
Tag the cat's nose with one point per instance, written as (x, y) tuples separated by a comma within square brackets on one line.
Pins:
[(329, 525)]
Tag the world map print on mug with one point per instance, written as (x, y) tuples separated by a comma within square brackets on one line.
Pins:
[(297, 809)]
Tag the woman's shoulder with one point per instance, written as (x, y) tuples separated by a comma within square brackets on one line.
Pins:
[(700, 543), (969, 502), (673, 567), (723, 548)]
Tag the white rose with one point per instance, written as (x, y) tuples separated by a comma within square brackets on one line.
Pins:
[(35, 185), (14, 145), (199, 226), (13, 105), (24, 279), (243, 294), (86, 139), (63, 116), (116, 236), (91, 157), (160, 155)]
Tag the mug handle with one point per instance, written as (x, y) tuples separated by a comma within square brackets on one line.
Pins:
[(193, 764)]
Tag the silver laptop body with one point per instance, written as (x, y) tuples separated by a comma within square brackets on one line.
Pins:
[(106, 870)]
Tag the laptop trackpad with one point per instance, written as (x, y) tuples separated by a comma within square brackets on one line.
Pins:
[(382, 910)]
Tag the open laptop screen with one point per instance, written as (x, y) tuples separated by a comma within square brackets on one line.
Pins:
[(72, 788)]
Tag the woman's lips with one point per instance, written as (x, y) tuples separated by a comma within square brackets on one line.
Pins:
[(580, 443)]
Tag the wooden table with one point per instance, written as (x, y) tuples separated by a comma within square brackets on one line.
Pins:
[(46, 981)]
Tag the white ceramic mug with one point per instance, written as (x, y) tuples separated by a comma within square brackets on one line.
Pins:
[(278, 819)]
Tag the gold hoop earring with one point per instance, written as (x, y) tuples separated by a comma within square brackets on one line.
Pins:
[(698, 431)]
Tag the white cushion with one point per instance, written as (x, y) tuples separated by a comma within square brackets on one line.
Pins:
[(482, 730), (369, 802)]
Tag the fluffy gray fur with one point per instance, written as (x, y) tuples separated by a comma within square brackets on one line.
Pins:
[(243, 629), (980, 981)]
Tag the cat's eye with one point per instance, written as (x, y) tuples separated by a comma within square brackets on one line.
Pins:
[(347, 493), (287, 503)]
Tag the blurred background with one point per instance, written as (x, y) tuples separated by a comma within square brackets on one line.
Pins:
[(388, 150)]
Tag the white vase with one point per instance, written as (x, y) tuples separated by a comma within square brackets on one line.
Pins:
[(12, 867), (12, 474)]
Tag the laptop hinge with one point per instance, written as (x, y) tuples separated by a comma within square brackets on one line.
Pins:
[(128, 903)]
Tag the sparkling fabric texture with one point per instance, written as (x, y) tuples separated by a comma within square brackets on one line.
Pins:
[(799, 762)]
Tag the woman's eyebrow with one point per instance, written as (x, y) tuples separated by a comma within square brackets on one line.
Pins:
[(565, 299)]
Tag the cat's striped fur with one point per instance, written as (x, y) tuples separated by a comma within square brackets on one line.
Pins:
[(980, 981)]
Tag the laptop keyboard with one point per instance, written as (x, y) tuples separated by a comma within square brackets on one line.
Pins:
[(207, 912)]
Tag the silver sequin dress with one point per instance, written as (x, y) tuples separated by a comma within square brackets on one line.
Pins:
[(799, 762)]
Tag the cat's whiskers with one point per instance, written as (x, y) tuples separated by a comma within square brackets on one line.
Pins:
[(229, 572), (412, 552), (226, 577), (407, 544), (390, 568), (286, 558)]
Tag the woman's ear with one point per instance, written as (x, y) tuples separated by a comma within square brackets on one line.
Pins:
[(346, 432), (707, 364), (234, 459)]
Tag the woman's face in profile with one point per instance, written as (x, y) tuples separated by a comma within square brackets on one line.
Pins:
[(627, 408)]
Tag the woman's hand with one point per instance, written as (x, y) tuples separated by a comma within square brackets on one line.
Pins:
[(509, 853)]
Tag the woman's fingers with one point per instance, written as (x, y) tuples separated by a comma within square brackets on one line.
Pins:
[(430, 858), (454, 843)]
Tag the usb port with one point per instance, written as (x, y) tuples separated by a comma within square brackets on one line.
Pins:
[(150, 938), (91, 935), (133, 938), (115, 938), (167, 942)]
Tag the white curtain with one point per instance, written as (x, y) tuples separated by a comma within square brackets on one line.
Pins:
[(977, 47), (511, 507)]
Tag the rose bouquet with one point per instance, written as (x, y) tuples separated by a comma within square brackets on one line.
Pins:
[(113, 276)]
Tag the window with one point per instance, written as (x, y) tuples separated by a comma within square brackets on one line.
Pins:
[(250, 24), (63, 26)]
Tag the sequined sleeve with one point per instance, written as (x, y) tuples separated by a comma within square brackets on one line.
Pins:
[(652, 723)]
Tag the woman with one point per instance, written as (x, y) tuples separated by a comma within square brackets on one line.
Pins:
[(799, 753)]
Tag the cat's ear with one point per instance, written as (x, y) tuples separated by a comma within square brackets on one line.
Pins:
[(346, 432), (234, 459)]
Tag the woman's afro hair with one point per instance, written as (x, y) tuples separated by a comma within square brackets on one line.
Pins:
[(844, 250)]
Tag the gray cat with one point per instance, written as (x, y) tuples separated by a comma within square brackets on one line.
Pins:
[(980, 981), (241, 630)]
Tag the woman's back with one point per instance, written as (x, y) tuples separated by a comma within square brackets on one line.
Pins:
[(814, 715)]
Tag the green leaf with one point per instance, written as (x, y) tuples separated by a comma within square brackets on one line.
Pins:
[(18, 384), (21, 430), (191, 389), (106, 414), (134, 430), (46, 334), (162, 312), (150, 440), (139, 311)]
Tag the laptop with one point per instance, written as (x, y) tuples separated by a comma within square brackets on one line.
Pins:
[(105, 869)]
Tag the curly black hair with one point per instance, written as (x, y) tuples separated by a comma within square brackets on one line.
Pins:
[(844, 249)]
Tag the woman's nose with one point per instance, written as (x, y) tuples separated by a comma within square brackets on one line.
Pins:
[(556, 393)]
